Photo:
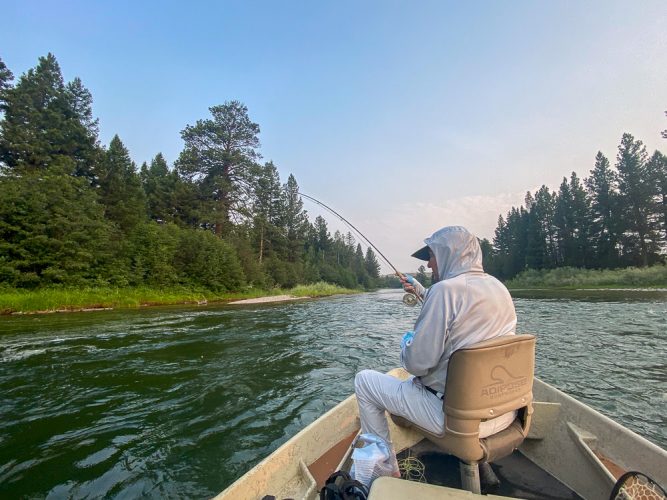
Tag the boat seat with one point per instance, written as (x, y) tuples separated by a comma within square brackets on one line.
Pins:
[(484, 381)]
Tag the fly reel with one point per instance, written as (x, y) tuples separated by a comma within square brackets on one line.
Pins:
[(410, 299)]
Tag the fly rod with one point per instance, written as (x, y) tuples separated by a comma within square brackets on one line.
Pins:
[(396, 271)]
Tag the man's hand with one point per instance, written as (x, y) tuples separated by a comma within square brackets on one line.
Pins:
[(408, 283)]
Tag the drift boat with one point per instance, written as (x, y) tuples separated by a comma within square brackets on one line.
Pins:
[(567, 450)]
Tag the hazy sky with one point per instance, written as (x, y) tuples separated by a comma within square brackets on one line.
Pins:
[(403, 116)]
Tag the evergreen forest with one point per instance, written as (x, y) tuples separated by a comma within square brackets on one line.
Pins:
[(614, 218), (74, 212)]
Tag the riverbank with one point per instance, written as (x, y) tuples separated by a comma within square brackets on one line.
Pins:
[(54, 300), (570, 278)]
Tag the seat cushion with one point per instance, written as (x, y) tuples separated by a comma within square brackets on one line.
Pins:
[(494, 425)]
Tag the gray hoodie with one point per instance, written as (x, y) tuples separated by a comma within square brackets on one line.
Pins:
[(465, 307)]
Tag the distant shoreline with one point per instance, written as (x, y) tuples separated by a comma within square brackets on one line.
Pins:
[(15, 302), (269, 299), (588, 289), (629, 278), (18, 302)]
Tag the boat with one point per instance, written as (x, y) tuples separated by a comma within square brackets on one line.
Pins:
[(569, 451)]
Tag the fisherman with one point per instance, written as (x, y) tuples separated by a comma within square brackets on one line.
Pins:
[(462, 307)]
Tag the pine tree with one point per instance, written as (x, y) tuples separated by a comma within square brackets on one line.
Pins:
[(81, 104), (33, 108), (159, 185), (340, 250), (571, 221), (517, 222), (48, 123), (372, 264), (581, 219), (320, 249), (501, 247), (540, 235), (487, 256), (359, 267), (601, 186), (637, 202), (295, 219), (510, 243), (188, 207), (657, 167), (219, 155), (267, 213), (322, 236), (120, 187), (6, 77), (564, 224)]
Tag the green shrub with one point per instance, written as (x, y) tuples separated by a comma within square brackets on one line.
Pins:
[(319, 289), (204, 260), (569, 277)]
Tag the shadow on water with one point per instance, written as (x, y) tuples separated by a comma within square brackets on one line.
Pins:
[(179, 402)]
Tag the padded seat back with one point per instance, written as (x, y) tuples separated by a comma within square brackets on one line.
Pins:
[(484, 381)]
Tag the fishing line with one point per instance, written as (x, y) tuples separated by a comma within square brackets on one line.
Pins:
[(361, 235), (412, 469), (398, 273)]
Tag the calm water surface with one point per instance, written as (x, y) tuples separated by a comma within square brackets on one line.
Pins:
[(174, 402)]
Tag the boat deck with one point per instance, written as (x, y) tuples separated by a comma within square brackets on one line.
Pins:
[(579, 446), (519, 477)]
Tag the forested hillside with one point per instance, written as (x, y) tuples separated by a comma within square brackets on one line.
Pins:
[(74, 212)]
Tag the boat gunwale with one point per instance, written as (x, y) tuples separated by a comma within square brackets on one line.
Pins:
[(572, 411)]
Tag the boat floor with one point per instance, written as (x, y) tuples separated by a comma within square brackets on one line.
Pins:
[(519, 477)]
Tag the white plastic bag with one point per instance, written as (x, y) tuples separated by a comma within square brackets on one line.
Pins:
[(373, 459)]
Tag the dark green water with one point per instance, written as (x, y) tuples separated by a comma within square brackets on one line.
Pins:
[(175, 402)]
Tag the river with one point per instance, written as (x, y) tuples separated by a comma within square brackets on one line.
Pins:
[(179, 402)]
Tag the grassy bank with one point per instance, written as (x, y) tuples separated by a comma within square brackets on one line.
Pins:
[(569, 277), (70, 299)]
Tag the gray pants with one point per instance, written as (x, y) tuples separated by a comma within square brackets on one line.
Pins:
[(377, 392)]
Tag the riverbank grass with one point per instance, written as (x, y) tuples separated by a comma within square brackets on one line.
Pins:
[(320, 289), (69, 299), (571, 278)]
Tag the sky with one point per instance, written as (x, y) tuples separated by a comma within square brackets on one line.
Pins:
[(402, 116)]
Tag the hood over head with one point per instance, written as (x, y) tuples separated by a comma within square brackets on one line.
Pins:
[(456, 251)]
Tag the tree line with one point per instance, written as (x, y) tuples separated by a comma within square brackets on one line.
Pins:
[(616, 217), (74, 212)]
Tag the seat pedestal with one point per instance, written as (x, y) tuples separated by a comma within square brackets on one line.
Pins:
[(470, 476)]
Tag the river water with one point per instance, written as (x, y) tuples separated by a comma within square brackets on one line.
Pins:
[(179, 402)]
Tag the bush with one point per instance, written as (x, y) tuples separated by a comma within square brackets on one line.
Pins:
[(202, 259), (154, 248), (319, 289), (570, 277)]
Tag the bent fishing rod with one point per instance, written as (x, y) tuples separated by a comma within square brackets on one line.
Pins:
[(408, 301)]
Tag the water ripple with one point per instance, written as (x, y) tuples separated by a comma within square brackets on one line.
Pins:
[(178, 402)]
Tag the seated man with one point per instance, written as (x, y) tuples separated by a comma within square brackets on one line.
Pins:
[(464, 306)]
